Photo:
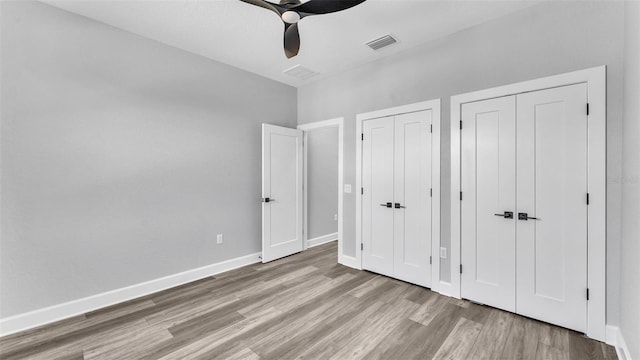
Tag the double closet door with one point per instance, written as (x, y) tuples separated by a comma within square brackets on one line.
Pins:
[(396, 198), (524, 204)]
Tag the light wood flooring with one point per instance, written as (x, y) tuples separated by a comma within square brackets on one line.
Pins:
[(304, 306)]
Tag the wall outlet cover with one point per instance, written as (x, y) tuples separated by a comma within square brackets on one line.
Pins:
[(219, 239), (443, 252), (347, 188)]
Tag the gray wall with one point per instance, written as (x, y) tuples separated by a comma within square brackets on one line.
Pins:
[(543, 40), (630, 265), (322, 181), (122, 158)]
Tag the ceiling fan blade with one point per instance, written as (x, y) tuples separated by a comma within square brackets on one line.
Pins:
[(267, 5), (313, 7), (291, 40)]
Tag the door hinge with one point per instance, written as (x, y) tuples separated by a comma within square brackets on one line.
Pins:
[(361, 246), (460, 124), (460, 195), (431, 192), (431, 128), (361, 191), (430, 259), (587, 198), (362, 136), (460, 268), (587, 294), (587, 109)]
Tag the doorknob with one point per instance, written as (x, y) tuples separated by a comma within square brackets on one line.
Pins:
[(525, 216), (387, 205), (398, 206), (506, 215), (266, 200)]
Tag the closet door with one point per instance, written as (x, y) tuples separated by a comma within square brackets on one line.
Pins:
[(552, 188), (488, 234), (377, 200), (412, 201)]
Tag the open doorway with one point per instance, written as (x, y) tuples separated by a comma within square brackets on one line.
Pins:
[(323, 182)]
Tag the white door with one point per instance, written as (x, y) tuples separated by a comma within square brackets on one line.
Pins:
[(488, 236), (281, 192), (412, 199), (396, 202), (377, 199), (552, 187)]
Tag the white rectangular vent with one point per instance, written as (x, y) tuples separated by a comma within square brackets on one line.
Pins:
[(300, 72), (381, 42)]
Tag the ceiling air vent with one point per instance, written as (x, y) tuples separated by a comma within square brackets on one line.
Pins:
[(381, 42), (300, 72)]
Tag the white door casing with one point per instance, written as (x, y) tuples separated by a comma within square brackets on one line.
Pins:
[(306, 129), (431, 109), (412, 184), (282, 186), (488, 172), (552, 187), (377, 179), (595, 109)]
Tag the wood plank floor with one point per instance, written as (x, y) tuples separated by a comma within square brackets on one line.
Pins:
[(305, 306)]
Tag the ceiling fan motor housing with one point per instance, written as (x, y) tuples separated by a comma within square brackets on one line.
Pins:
[(291, 11), (290, 17)]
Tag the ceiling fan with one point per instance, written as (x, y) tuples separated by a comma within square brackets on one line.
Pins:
[(291, 11)]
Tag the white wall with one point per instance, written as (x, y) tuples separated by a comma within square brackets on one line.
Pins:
[(630, 246), (121, 158), (322, 181), (543, 40)]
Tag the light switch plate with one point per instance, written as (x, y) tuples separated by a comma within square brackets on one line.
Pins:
[(443, 253), (219, 239), (347, 188)]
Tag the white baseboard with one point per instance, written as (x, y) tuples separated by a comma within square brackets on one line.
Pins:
[(322, 240), (349, 261), (611, 334), (614, 338), (62, 311)]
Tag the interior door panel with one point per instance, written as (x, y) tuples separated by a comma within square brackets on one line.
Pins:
[(282, 186), (377, 179), (412, 220), (552, 187), (488, 185)]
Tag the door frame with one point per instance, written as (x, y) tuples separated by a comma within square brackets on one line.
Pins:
[(306, 128), (595, 78), (433, 105)]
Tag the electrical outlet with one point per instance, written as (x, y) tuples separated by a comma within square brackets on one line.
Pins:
[(219, 239), (347, 188), (335, 217), (443, 253)]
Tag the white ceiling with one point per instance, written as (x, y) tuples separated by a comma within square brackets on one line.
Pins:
[(250, 38)]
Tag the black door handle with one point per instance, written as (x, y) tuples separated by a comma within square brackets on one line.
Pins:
[(398, 206), (525, 217), (506, 215), (266, 200), (387, 205)]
